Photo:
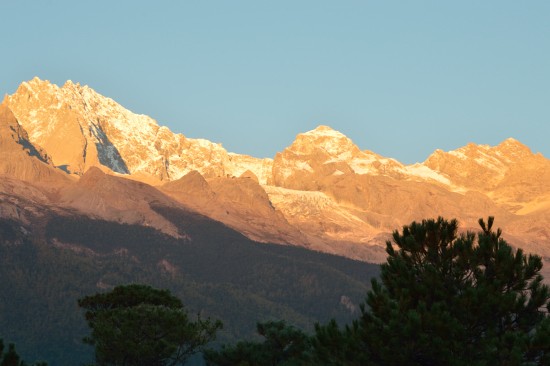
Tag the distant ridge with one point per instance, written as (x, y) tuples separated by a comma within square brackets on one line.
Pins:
[(321, 192)]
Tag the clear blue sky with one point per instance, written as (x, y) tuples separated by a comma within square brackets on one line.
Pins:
[(401, 78)]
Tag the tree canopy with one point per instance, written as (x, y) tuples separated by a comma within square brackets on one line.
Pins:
[(447, 299), (283, 345), (140, 325)]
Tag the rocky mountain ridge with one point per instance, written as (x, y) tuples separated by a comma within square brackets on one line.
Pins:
[(81, 128), (321, 192)]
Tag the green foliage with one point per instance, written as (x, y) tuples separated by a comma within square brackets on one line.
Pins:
[(11, 358), (283, 345), (332, 346), (448, 299), (140, 325)]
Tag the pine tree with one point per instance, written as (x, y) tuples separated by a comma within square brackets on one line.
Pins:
[(140, 325), (449, 299)]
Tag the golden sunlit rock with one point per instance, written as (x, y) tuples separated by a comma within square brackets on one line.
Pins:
[(321, 192)]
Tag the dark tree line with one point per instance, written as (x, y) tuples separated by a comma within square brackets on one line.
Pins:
[(227, 280), (442, 298)]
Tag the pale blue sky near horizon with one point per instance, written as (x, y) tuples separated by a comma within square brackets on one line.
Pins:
[(400, 78)]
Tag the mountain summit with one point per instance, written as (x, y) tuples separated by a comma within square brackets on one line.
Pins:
[(509, 173), (81, 128), (321, 192)]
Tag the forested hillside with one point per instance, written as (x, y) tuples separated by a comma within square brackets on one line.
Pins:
[(213, 269)]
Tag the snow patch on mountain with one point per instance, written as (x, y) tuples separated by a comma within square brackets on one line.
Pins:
[(107, 153), (333, 143), (425, 173), (262, 168), (303, 202), (363, 166)]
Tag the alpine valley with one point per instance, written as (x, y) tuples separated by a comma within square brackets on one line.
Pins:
[(93, 195)]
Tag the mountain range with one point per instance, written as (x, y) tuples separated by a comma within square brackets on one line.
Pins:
[(85, 152), (93, 195)]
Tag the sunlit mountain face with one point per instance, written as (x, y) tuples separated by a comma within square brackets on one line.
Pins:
[(321, 192)]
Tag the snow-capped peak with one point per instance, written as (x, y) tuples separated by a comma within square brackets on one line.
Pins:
[(325, 131), (324, 140), (82, 128)]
